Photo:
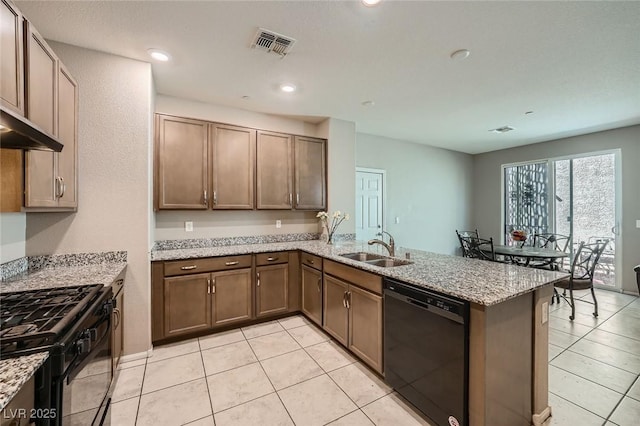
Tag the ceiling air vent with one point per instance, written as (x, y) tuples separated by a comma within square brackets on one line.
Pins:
[(272, 42), (503, 129)]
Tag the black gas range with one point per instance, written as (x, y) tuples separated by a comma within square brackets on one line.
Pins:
[(73, 324)]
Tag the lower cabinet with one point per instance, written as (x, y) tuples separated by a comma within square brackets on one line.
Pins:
[(353, 315), (187, 304), (272, 289), (231, 294), (312, 294)]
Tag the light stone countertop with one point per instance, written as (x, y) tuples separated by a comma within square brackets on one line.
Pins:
[(64, 276), (15, 372), (479, 281)]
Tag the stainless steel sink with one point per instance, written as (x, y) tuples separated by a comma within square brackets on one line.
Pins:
[(376, 259), (363, 256), (388, 263)]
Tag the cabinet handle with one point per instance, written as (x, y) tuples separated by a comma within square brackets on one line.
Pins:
[(344, 299), (208, 286), (56, 188), (290, 199), (272, 259), (349, 300), (215, 198), (231, 263), (319, 279), (206, 198), (297, 198), (310, 261), (63, 187), (213, 286), (116, 313), (258, 275), (188, 268)]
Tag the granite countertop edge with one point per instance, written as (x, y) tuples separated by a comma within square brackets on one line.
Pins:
[(477, 281), (15, 372)]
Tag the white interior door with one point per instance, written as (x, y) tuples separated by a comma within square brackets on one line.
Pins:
[(369, 203)]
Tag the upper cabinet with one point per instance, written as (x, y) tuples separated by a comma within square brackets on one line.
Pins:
[(310, 178), (247, 169), (12, 59), (36, 85), (182, 167), (233, 152), (274, 171)]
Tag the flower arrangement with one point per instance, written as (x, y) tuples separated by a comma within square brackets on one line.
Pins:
[(336, 219)]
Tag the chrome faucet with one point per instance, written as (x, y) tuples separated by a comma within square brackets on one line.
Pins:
[(391, 247)]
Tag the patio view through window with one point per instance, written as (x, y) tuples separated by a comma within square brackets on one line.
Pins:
[(573, 197)]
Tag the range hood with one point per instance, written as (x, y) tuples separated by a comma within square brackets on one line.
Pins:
[(19, 133)]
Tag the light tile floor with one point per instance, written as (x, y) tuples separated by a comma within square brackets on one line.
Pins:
[(289, 372)]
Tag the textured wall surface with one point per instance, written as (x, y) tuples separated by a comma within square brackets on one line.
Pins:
[(428, 188), (114, 138), (488, 198)]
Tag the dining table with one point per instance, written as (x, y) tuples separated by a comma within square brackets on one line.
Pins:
[(529, 253)]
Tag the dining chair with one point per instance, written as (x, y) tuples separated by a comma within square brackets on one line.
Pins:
[(552, 241), (478, 248), (460, 234), (584, 263)]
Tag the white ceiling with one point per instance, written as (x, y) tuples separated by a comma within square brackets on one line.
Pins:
[(576, 65)]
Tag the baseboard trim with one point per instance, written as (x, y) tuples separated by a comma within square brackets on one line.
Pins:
[(136, 356)]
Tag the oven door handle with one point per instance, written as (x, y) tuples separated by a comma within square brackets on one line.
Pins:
[(72, 370)]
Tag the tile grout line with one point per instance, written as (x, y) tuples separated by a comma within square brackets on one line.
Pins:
[(140, 395), (206, 382), (579, 406)]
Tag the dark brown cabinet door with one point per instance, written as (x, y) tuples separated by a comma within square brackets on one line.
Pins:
[(365, 326), (233, 158), (182, 165), (42, 107), (11, 58), (67, 132), (310, 173), (187, 304), (312, 294), (336, 314), (232, 296), (274, 171), (272, 289)]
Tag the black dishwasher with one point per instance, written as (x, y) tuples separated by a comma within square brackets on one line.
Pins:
[(426, 342)]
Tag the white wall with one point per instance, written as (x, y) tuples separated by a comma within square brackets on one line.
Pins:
[(215, 224), (488, 197), (429, 189), (12, 235), (114, 138)]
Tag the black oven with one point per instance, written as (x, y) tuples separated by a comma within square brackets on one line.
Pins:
[(74, 325), (81, 367)]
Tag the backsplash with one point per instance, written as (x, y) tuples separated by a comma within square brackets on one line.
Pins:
[(34, 263), (253, 239)]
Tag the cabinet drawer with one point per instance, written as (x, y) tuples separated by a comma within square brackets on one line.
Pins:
[(366, 280), (311, 260), (272, 258), (195, 266)]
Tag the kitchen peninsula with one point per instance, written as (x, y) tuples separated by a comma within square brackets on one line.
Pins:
[(508, 326)]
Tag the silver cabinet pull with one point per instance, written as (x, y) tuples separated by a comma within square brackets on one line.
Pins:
[(206, 198), (209, 285), (188, 268), (310, 261), (231, 263), (213, 286), (349, 300), (290, 199), (272, 259), (63, 187), (56, 188), (258, 276), (319, 279), (215, 198), (344, 299), (297, 198)]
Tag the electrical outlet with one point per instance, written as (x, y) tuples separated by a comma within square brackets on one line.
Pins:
[(545, 312), (188, 226), (638, 223), (278, 224)]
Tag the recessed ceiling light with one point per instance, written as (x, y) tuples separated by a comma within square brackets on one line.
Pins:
[(370, 3), (460, 55), (159, 55), (368, 103), (288, 88), (503, 129)]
